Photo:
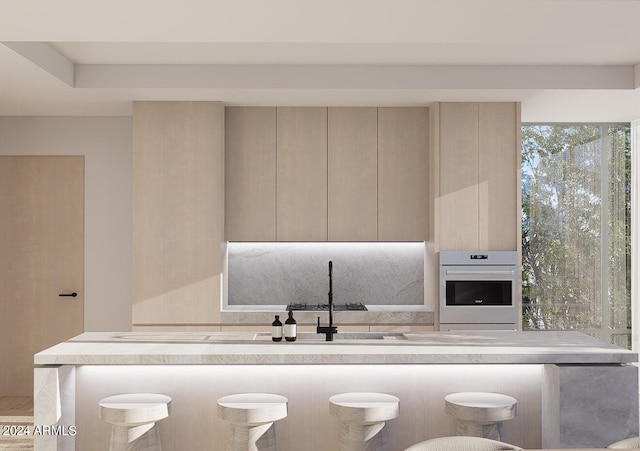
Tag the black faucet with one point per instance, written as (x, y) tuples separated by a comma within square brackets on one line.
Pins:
[(329, 330)]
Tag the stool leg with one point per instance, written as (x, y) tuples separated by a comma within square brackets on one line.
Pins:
[(363, 437), (245, 437), (144, 437), (492, 431)]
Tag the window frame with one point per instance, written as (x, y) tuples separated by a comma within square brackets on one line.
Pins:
[(606, 333)]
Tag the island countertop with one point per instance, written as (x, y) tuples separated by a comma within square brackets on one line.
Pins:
[(238, 348)]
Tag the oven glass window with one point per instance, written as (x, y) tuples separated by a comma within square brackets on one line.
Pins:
[(479, 292)]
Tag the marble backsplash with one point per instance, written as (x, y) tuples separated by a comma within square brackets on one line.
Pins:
[(281, 273)]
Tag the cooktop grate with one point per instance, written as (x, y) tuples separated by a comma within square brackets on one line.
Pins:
[(349, 306)]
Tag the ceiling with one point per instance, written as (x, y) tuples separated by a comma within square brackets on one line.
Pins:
[(565, 60)]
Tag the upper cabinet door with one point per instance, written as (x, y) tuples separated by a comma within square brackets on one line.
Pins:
[(250, 174), (318, 174), (499, 176), (478, 154), (402, 174), (457, 213), (352, 166), (301, 188), (178, 212)]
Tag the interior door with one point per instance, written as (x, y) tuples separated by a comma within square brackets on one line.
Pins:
[(41, 257)]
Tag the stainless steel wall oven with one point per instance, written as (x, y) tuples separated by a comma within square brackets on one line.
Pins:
[(479, 290)]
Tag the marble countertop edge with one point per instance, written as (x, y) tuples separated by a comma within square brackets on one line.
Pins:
[(172, 348), (312, 359)]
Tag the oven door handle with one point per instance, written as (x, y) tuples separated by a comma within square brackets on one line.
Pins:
[(479, 273)]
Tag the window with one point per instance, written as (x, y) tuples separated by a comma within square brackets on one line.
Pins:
[(576, 229)]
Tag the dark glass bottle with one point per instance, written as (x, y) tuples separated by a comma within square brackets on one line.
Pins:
[(290, 328), (276, 329)]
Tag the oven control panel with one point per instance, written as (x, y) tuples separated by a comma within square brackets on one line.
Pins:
[(507, 258)]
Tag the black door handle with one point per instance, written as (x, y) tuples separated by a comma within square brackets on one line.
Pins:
[(72, 295)]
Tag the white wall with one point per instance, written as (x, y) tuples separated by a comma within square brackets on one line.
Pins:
[(106, 144)]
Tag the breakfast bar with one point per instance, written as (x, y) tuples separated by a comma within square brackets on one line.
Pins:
[(572, 390)]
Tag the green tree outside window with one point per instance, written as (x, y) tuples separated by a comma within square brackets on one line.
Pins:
[(576, 229)]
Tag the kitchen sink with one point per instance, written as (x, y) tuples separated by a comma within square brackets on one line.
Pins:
[(342, 336), (244, 337)]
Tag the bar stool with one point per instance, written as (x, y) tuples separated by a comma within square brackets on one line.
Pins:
[(628, 443), (363, 417), (251, 416), (461, 443), (132, 418), (480, 414)]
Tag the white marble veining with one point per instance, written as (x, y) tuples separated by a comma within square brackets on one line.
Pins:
[(607, 387), (371, 273), (54, 405), (377, 314), (220, 348)]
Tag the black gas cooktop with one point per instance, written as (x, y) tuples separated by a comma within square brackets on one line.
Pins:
[(325, 307)]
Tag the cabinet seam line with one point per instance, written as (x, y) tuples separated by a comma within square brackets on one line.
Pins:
[(276, 171), (377, 174), (479, 184)]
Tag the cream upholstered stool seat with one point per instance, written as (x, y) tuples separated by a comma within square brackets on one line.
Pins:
[(461, 444), (363, 417), (133, 417), (628, 443), (251, 416), (480, 414)]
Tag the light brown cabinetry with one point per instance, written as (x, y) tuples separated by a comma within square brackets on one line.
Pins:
[(340, 174), (301, 175), (178, 212), (352, 171), (403, 140), (476, 154), (250, 168), (499, 171), (457, 216)]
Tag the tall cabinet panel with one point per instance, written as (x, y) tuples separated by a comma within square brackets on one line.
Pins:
[(402, 173), (352, 171), (178, 212), (458, 176), (301, 187), (250, 174), (499, 176), (477, 179)]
